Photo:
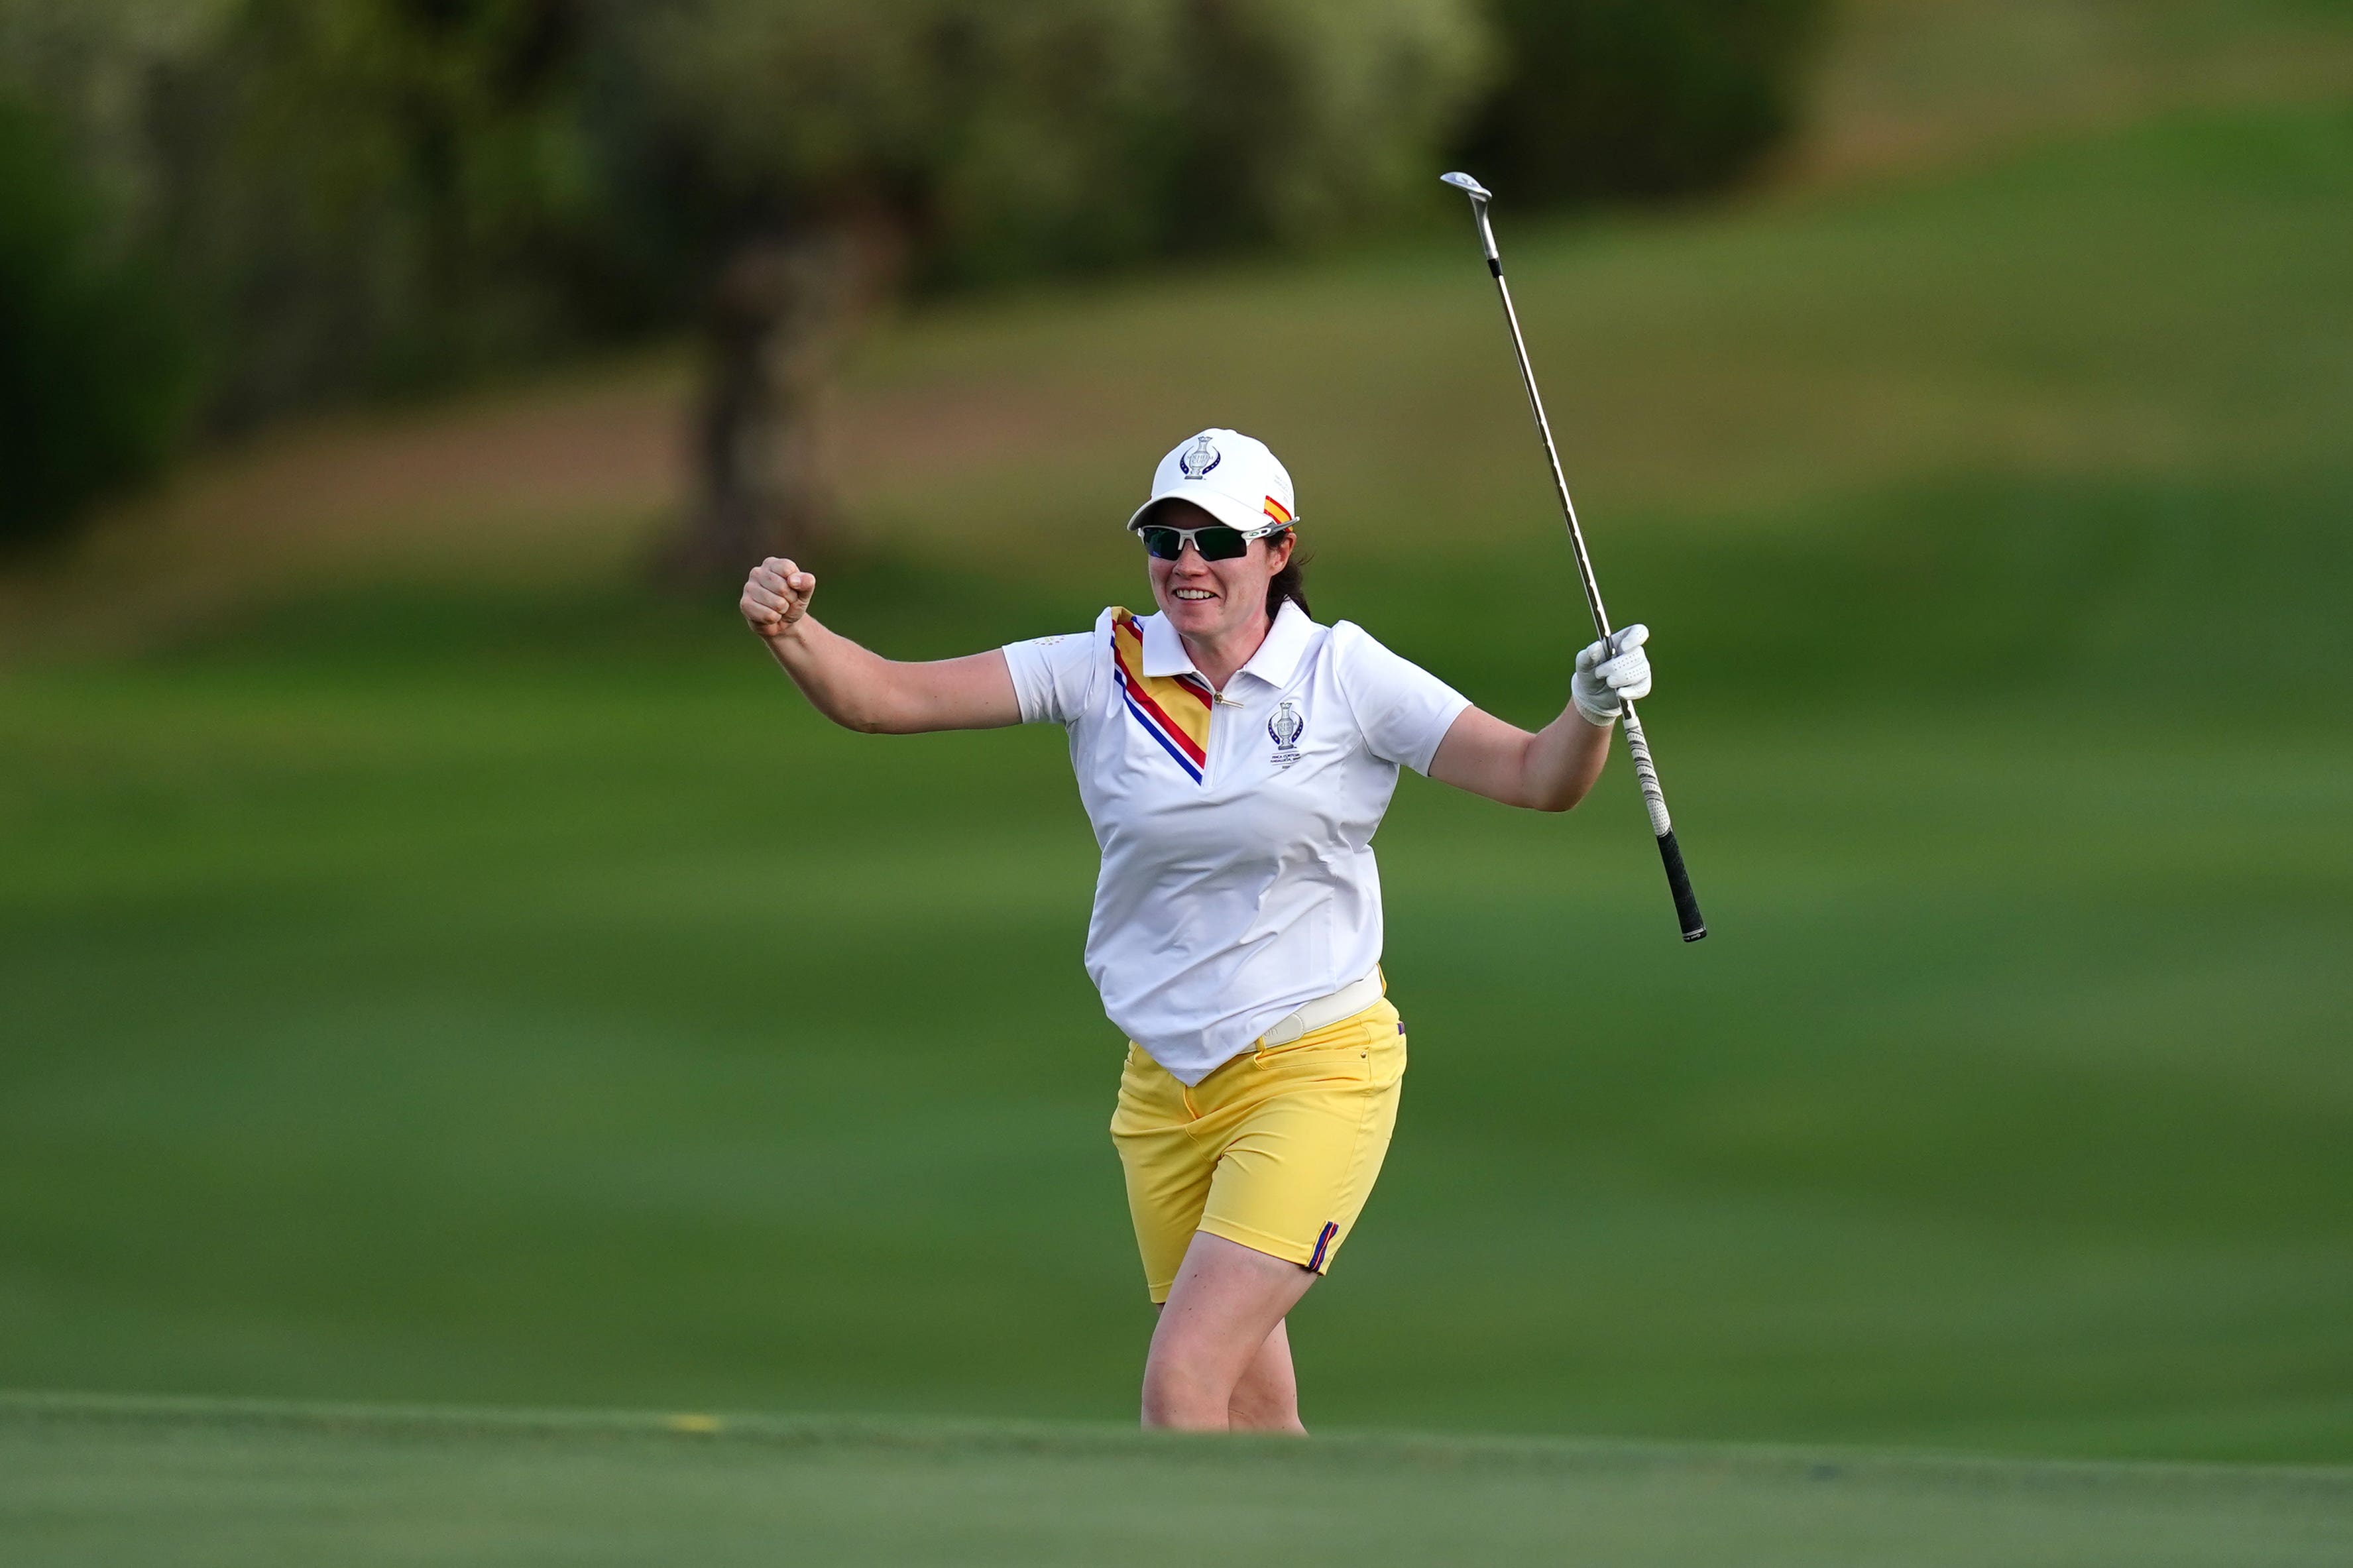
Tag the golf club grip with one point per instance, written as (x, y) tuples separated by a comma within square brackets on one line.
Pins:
[(1687, 913), (1663, 827)]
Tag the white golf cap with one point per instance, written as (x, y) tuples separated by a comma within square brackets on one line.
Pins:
[(1228, 475)]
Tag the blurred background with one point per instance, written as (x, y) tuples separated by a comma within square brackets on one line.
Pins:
[(441, 960)]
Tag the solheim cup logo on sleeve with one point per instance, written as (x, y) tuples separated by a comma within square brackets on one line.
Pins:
[(1197, 462), (1284, 728)]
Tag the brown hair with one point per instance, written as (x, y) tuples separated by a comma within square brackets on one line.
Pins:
[(1288, 583)]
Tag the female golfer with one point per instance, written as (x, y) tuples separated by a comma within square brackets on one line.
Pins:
[(1235, 757)]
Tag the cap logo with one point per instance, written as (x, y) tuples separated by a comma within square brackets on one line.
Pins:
[(1200, 459)]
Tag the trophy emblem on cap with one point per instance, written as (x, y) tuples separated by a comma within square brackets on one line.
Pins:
[(1200, 459)]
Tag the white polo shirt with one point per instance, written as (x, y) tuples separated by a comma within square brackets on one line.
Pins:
[(1237, 876)]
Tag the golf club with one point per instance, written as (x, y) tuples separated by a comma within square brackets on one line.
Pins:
[(1687, 913)]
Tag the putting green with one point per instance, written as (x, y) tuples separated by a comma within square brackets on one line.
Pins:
[(190, 1483)]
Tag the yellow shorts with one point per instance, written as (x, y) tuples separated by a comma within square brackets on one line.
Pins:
[(1276, 1151)]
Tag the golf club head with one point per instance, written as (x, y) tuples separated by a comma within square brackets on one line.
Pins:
[(1479, 197)]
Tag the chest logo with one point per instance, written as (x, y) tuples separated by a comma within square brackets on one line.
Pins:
[(1198, 461), (1284, 728)]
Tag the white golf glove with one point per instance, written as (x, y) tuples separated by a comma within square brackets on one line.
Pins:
[(1603, 684)]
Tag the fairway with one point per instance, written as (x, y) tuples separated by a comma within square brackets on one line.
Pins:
[(194, 1484), (434, 983)]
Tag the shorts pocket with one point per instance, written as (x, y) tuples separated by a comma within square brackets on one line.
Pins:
[(1303, 1046), (1343, 1061)]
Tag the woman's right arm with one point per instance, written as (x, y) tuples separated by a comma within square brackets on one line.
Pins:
[(862, 690)]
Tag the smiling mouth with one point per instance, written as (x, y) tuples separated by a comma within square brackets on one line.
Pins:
[(1195, 594)]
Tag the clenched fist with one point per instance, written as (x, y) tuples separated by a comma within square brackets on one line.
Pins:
[(776, 596)]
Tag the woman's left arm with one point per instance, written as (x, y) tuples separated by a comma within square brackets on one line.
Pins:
[(1552, 769)]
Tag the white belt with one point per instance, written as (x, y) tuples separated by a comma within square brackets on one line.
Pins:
[(1346, 1002)]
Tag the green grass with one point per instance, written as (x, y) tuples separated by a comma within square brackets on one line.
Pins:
[(492, 996), (2163, 305), (611, 1031), (1912, 83), (104, 1482)]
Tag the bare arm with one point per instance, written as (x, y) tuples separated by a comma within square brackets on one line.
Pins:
[(1552, 769), (1549, 771), (862, 690)]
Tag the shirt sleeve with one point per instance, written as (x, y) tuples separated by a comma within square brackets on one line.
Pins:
[(1054, 678), (1402, 709)]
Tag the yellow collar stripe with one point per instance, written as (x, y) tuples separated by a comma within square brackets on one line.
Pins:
[(1174, 709)]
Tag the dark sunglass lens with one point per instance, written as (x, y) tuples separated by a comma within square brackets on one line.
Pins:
[(1164, 543), (1221, 544)]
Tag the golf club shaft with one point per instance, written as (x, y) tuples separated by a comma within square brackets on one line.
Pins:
[(1646, 774)]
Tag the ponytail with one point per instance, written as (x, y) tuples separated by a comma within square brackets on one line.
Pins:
[(1288, 583)]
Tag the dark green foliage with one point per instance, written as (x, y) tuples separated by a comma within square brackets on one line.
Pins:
[(380, 196), (92, 360), (1639, 97), (1046, 136)]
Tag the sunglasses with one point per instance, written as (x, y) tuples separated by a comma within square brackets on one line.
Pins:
[(1215, 542)]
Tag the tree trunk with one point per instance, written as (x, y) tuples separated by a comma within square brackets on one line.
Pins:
[(783, 312)]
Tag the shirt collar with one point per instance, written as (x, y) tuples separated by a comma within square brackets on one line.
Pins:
[(1276, 661)]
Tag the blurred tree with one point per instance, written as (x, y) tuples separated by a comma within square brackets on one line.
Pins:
[(380, 194), (1639, 97), (352, 195), (818, 155), (92, 364)]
